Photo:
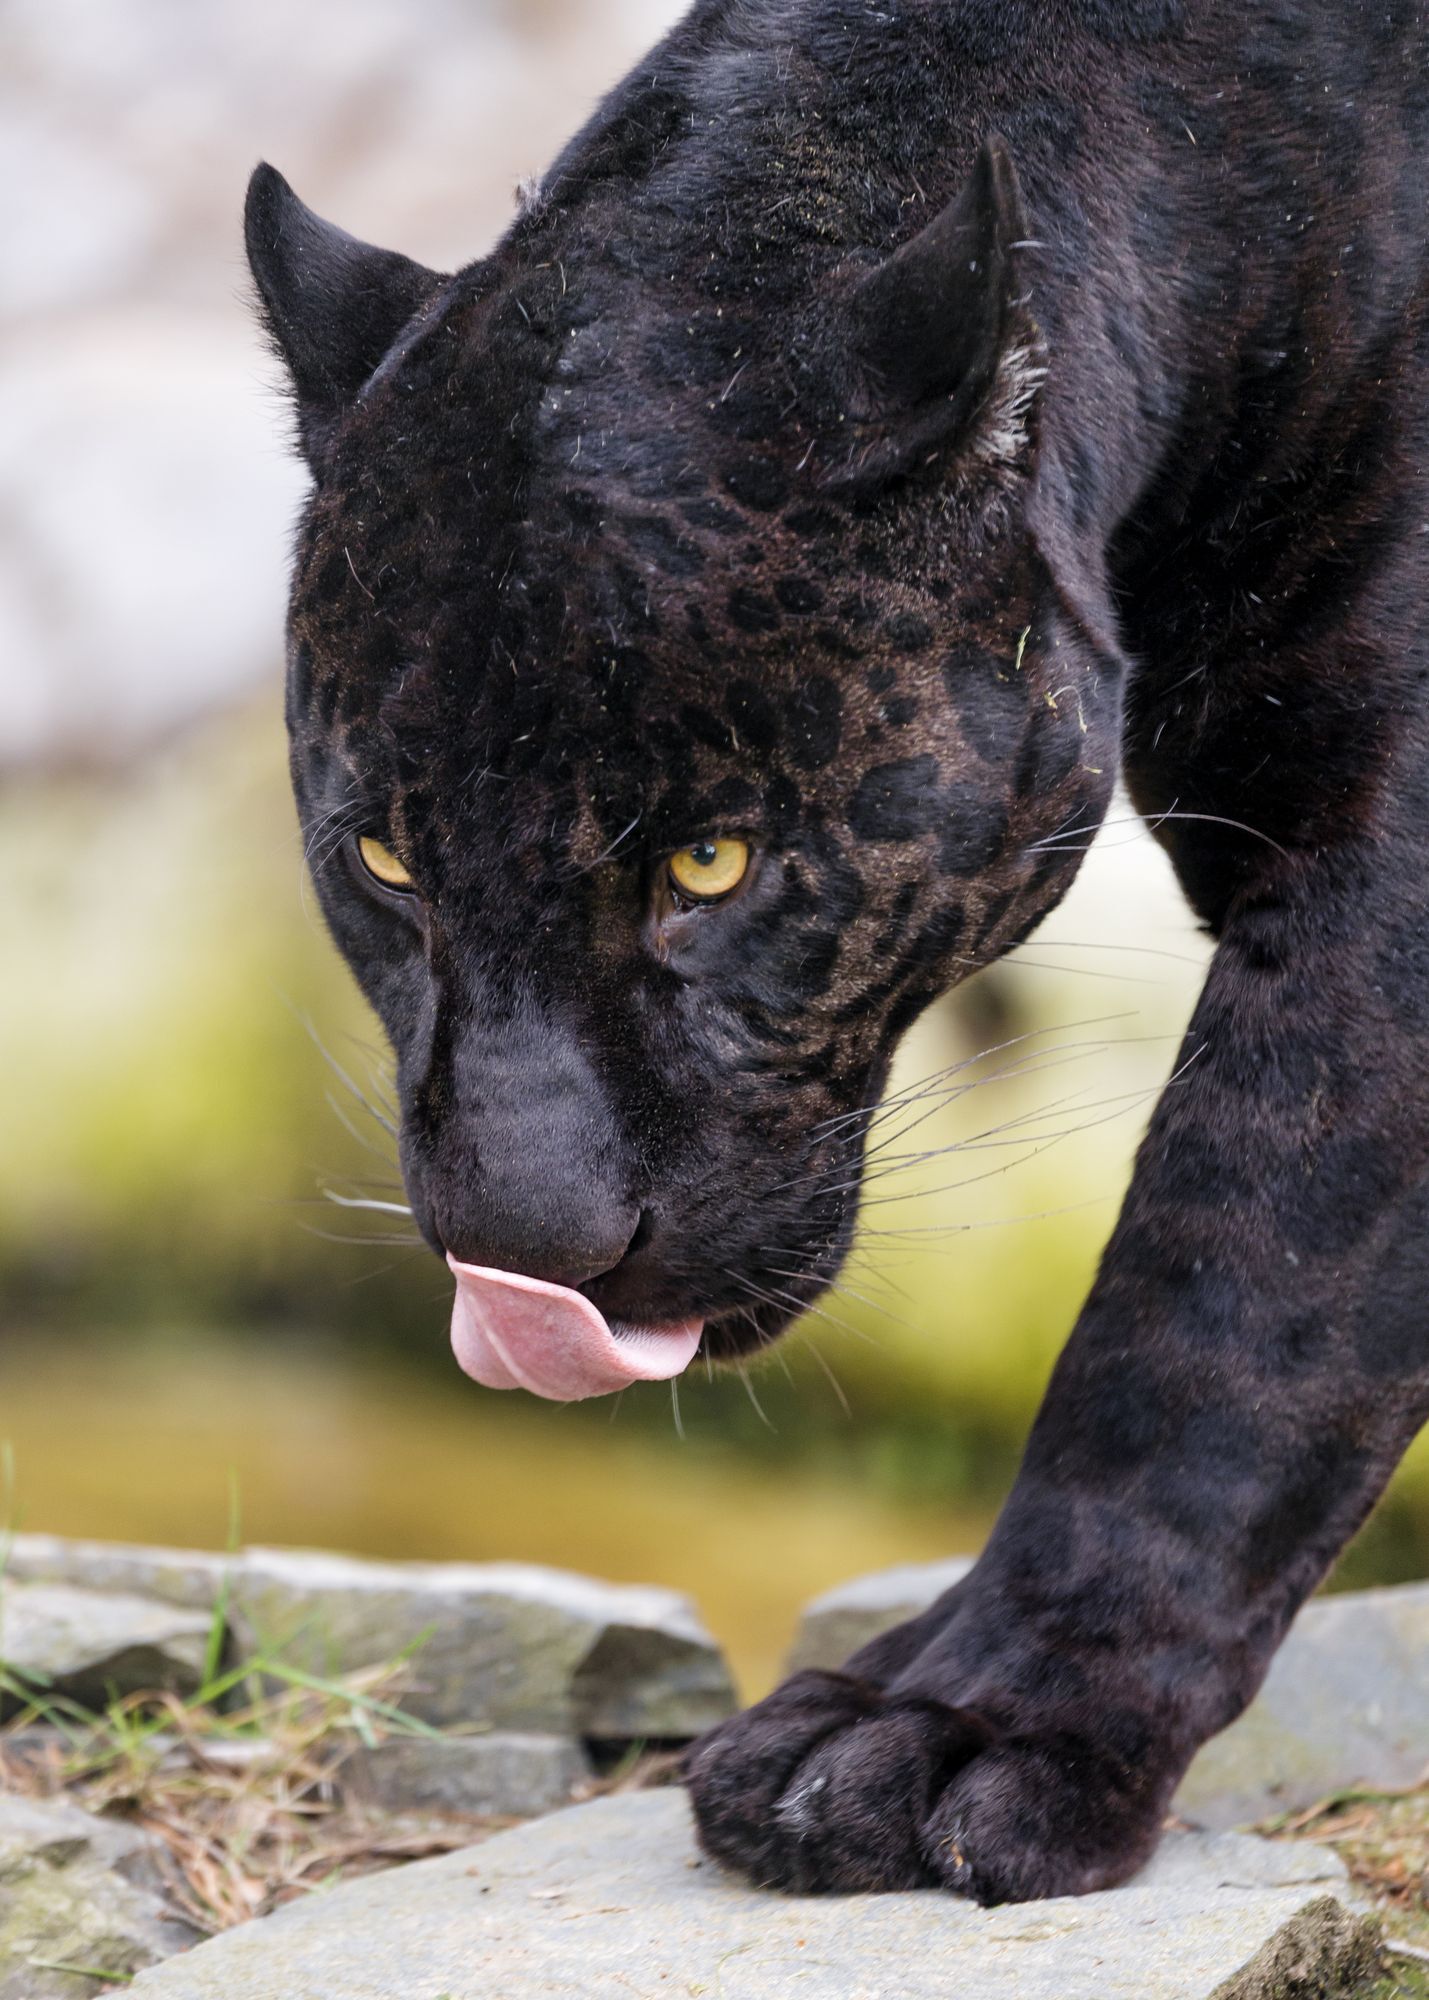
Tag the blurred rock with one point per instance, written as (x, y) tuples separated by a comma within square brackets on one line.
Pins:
[(87, 1644), (191, 1577), (507, 1644), (613, 1899), (76, 225), (848, 1616), (503, 1643), (505, 1775), (148, 496), (55, 1834), (1345, 1704), (76, 1892), (1328, 1952), (146, 493)]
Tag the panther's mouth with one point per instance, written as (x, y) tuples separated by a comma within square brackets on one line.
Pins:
[(512, 1332)]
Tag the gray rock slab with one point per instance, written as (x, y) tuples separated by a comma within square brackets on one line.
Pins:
[(85, 1643), (511, 1645), (190, 1577), (508, 1773), (848, 1616), (54, 1833), (76, 1892), (1346, 1701), (611, 1901)]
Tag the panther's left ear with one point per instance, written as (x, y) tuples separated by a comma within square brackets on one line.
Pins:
[(333, 305), (928, 334)]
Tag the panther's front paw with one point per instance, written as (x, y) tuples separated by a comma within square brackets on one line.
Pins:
[(832, 1785), (827, 1785)]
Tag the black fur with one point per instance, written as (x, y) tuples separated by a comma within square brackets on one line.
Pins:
[(881, 424)]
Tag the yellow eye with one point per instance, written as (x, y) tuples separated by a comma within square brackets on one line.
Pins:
[(706, 870), (382, 865)]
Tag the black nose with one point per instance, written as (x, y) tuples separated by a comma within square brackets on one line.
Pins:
[(518, 1150), (563, 1248)]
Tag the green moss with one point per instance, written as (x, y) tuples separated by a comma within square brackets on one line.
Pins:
[(1405, 1980)]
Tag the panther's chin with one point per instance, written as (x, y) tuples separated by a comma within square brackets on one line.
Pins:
[(514, 1332)]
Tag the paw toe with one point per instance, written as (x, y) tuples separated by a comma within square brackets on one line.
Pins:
[(825, 1787), (851, 1819), (739, 1772), (1026, 1821)]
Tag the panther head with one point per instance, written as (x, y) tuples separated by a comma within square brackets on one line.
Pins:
[(681, 694)]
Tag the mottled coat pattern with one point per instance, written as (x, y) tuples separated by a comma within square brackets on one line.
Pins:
[(882, 425)]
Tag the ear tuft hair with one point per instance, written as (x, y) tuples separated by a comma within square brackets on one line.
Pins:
[(333, 306)]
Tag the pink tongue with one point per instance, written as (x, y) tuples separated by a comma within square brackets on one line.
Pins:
[(510, 1332)]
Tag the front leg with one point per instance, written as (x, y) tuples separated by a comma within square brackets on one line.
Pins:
[(1251, 1364)]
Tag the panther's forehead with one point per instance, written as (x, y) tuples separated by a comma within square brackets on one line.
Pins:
[(738, 695), (561, 594), (551, 473), (708, 634)]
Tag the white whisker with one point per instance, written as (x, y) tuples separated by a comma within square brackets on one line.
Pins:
[(749, 1391), (833, 1380), (360, 1201)]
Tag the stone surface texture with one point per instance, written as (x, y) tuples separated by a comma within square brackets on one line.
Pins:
[(190, 1577), (85, 1643), (610, 1901), (1346, 1701), (76, 1891), (848, 1616), (507, 1645), (507, 1774), (1325, 1950), (503, 1643)]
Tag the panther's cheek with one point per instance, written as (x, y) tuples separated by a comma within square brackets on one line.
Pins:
[(513, 1332)]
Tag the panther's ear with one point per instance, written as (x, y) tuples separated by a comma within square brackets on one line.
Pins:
[(333, 306), (931, 329)]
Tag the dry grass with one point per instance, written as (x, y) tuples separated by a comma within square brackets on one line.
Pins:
[(1384, 1840), (242, 1786)]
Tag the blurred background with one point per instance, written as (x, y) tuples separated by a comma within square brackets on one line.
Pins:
[(188, 1326)]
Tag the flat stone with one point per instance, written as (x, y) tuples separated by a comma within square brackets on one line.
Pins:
[(1345, 1704), (76, 1892), (510, 1645), (848, 1616), (1346, 1701), (87, 1643), (506, 1774), (611, 1901), (56, 1833), (190, 1577)]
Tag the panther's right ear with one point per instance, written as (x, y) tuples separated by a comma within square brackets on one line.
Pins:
[(940, 349), (333, 306)]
